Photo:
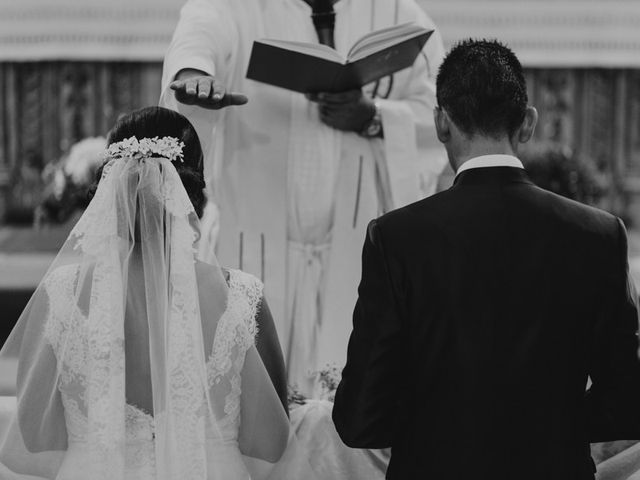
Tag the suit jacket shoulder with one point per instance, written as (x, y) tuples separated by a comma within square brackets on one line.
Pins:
[(437, 212)]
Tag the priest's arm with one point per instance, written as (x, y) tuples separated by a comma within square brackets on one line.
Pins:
[(196, 63)]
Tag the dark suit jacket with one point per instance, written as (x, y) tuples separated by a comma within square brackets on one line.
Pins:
[(482, 311)]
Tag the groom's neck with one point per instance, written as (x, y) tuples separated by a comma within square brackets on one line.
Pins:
[(478, 146)]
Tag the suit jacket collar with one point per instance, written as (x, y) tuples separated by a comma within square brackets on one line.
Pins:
[(492, 176), (494, 160)]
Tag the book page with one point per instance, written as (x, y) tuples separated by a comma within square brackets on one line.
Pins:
[(314, 50), (380, 39)]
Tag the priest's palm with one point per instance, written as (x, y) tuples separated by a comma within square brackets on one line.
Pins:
[(193, 87)]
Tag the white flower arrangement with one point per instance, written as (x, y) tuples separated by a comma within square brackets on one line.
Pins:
[(327, 381), (166, 147), (83, 160), (67, 180)]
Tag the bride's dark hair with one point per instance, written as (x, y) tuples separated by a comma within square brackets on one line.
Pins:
[(161, 122)]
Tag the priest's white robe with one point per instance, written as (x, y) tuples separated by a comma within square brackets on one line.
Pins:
[(294, 195)]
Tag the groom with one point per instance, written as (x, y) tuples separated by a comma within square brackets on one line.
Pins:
[(483, 310)]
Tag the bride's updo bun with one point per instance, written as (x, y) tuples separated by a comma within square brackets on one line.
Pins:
[(161, 122)]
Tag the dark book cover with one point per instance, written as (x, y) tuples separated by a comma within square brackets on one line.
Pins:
[(385, 62), (304, 73)]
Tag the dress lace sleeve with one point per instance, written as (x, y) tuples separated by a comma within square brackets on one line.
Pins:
[(62, 316), (252, 289)]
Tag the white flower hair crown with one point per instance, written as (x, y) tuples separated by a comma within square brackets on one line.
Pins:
[(166, 147)]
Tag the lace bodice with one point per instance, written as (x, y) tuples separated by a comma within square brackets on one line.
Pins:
[(235, 333)]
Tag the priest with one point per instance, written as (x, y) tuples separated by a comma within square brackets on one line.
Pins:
[(297, 178)]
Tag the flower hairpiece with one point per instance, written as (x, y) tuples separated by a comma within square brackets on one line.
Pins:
[(166, 147)]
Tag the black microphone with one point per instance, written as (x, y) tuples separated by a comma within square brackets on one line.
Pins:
[(324, 19)]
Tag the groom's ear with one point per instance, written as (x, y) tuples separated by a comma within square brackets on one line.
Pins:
[(528, 126), (443, 124)]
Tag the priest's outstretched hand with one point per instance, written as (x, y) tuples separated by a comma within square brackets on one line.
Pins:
[(349, 111), (194, 87)]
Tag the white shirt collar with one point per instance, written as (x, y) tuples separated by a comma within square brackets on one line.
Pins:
[(485, 161)]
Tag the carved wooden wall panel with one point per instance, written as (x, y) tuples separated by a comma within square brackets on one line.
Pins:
[(4, 132), (45, 107), (630, 170), (552, 92), (596, 112), (632, 120)]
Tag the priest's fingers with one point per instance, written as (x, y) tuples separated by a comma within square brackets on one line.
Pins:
[(183, 97), (339, 98), (231, 99), (328, 116), (193, 90), (227, 100), (204, 87), (191, 86), (177, 85), (330, 121), (218, 92), (336, 109), (325, 110), (345, 118), (205, 92)]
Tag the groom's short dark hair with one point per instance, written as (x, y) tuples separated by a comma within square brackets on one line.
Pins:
[(482, 88)]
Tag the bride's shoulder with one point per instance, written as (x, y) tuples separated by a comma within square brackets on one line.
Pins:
[(242, 279), (61, 279), (247, 284), (250, 291), (245, 291)]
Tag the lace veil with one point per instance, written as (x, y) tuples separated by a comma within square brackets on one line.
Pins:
[(127, 320)]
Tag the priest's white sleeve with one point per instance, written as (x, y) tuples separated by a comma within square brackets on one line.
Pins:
[(413, 157), (204, 40)]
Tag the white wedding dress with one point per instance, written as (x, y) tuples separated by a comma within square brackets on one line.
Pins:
[(136, 360), (235, 334)]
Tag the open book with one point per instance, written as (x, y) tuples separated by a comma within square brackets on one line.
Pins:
[(312, 67)]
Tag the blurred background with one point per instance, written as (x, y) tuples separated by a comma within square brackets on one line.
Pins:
[(69, 68)]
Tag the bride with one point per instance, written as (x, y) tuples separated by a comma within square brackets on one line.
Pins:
[(136, 360)]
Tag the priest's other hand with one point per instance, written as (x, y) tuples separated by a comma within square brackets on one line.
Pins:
[(193, 87), (347, 111)]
